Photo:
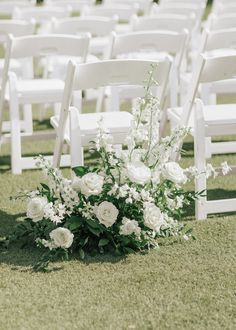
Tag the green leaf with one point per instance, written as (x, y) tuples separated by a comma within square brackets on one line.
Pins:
[(103, 242), (74, 222), (45, 187), (94, 231), (93, 224), (80, 170), (81, 254)]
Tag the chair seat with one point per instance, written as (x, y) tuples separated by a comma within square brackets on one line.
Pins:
[(40, 90), (119, 122), (214, 114)]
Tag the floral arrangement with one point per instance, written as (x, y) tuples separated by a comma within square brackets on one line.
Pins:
[(130, 202)]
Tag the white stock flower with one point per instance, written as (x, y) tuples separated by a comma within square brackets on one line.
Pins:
[(89, 184), (62, 237), (35, 208), (138, 173), (129, 227), (153, 217), (107, 213), (173, 172)]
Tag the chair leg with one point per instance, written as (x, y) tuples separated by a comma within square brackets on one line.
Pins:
[(15, 136), (200, 163), (28, 120)]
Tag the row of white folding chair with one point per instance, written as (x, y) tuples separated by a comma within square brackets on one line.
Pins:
[(113, 73), (28, 90), (83, 127)]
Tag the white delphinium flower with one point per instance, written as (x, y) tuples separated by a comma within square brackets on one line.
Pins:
[(156, 176), (104, 139), (130, 227), (123, 191), (35, 208), (191, 172), (55, 212), (225, 168), (173, 172), (210, 171), (106, 213), (87, 210), (146, 196), (89, 184), (62, 237), (134, 194), (153, 217), (138, 173), (46, 243)]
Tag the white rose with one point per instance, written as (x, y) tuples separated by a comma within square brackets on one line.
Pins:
[(89, 184), (107, 213), (153, 218), (35, 208), (138, 173), (62, 237), (129, 227), (173, 172)]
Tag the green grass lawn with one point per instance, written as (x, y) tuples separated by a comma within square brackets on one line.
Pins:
[(187, 285)]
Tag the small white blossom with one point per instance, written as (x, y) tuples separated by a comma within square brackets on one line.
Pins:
[(130, 227)]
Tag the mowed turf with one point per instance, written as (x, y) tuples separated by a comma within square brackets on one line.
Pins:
[(188, 285)]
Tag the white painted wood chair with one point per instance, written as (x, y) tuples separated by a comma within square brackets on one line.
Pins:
[(30, 90), (114, 73), (153, 45), (99, 28), (42, 16), (7, 7), (224, 122), (75, 6), (208, 69), (218, 42), (124, 14), (144, 5), (221, 22), (17, 29)]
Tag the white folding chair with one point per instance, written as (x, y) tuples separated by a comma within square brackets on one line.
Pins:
[(206, 127), (205, 74), (17, 29), (221, 22), (29, 90), (114, 73), (42, 15), (144, 5), (7, 7), (75, 6), (99, 28), (124, 13), (166, 22), (153, 45)]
